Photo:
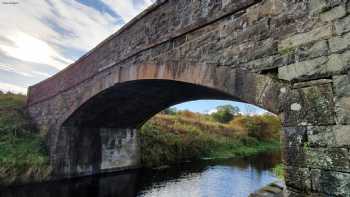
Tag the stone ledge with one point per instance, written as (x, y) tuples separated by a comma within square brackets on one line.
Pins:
[(274, 189)]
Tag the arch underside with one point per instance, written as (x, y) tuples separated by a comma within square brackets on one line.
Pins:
[(101, 134), (130, 104)]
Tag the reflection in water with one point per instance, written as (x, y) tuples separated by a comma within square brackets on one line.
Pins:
[(231, 178)]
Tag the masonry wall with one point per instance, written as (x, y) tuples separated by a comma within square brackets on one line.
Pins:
[(302, 43)]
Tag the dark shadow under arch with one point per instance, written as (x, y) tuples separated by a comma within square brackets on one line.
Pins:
[(130, 104)]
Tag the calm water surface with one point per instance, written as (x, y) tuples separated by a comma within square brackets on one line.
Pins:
[(219, 178)]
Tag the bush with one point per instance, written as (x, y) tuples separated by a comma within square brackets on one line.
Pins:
[(167, 139), (261, 127), (160, 147), (21, 147), (225, 113)]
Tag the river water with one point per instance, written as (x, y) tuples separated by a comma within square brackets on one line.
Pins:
[(218, 178)]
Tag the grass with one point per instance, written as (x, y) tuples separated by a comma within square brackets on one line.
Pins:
[(278, 170), (168, 139), (23, 153), (165, 139)]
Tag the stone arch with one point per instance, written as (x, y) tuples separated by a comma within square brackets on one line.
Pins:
[(132, 95), (256, 45)]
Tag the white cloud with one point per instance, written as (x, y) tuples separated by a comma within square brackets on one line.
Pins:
[(128, 9), (212, 111), (5, 87), (31, 49), (40, 73), (9, 69), (53, 34)]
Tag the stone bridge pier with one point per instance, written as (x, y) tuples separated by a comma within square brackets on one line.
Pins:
[(290, 57)]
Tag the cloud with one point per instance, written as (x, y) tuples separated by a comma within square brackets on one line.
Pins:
[(39, 38), (9, 69), (212, 111), (31, 49), (12, 88), (128, 9)]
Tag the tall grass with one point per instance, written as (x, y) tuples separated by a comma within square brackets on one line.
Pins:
[(23, 152), (170, 139)]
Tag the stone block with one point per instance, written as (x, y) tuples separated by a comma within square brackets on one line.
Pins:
[(311, 83), (294, 136), (339, 43), (341, 85), (305, 69), (317, 6), (331, 182), (313, 50), (327, 158), (308, 106), (342, 25), (316, 68), (298, 178), (293, 193), (294, 156), (338, 62), (329, 136), (265, 9), (323, 32), (334, 13)]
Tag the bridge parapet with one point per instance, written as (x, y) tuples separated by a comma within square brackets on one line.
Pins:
[(164, 23)]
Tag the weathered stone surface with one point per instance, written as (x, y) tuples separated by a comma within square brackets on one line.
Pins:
[(294, 136), (311, 83), (342, 98), (294, 193), (305, 69), (313, 50), (332, 183), (309, 106), (320, 33), (120, 148), (317, 6), (316, 68), (294, 156), (329, 136), (334, 13), (338, 62), (342, 25), (298, 178), (328, 158), (274, 189), (267, 8), (340, 43)]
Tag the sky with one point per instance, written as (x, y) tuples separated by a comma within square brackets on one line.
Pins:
[(38, 38)]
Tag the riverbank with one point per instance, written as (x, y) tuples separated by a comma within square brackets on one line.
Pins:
[(165, 139), (23, 153), (169, 139)]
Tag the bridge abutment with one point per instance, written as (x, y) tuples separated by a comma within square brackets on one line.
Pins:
[(89, 151)]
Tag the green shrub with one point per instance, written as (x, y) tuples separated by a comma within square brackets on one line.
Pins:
[(167, 139), (21, 146), (225, 113)]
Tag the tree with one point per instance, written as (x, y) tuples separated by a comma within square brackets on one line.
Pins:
[(169, 111), (225, 113)]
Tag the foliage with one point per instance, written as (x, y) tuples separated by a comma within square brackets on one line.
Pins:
[(169, 111), (162, 147), (167, 139), (21, 147), (225, 113), (278, 170), (262, 127)]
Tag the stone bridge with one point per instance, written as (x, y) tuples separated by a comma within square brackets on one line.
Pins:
[(290, 57)]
